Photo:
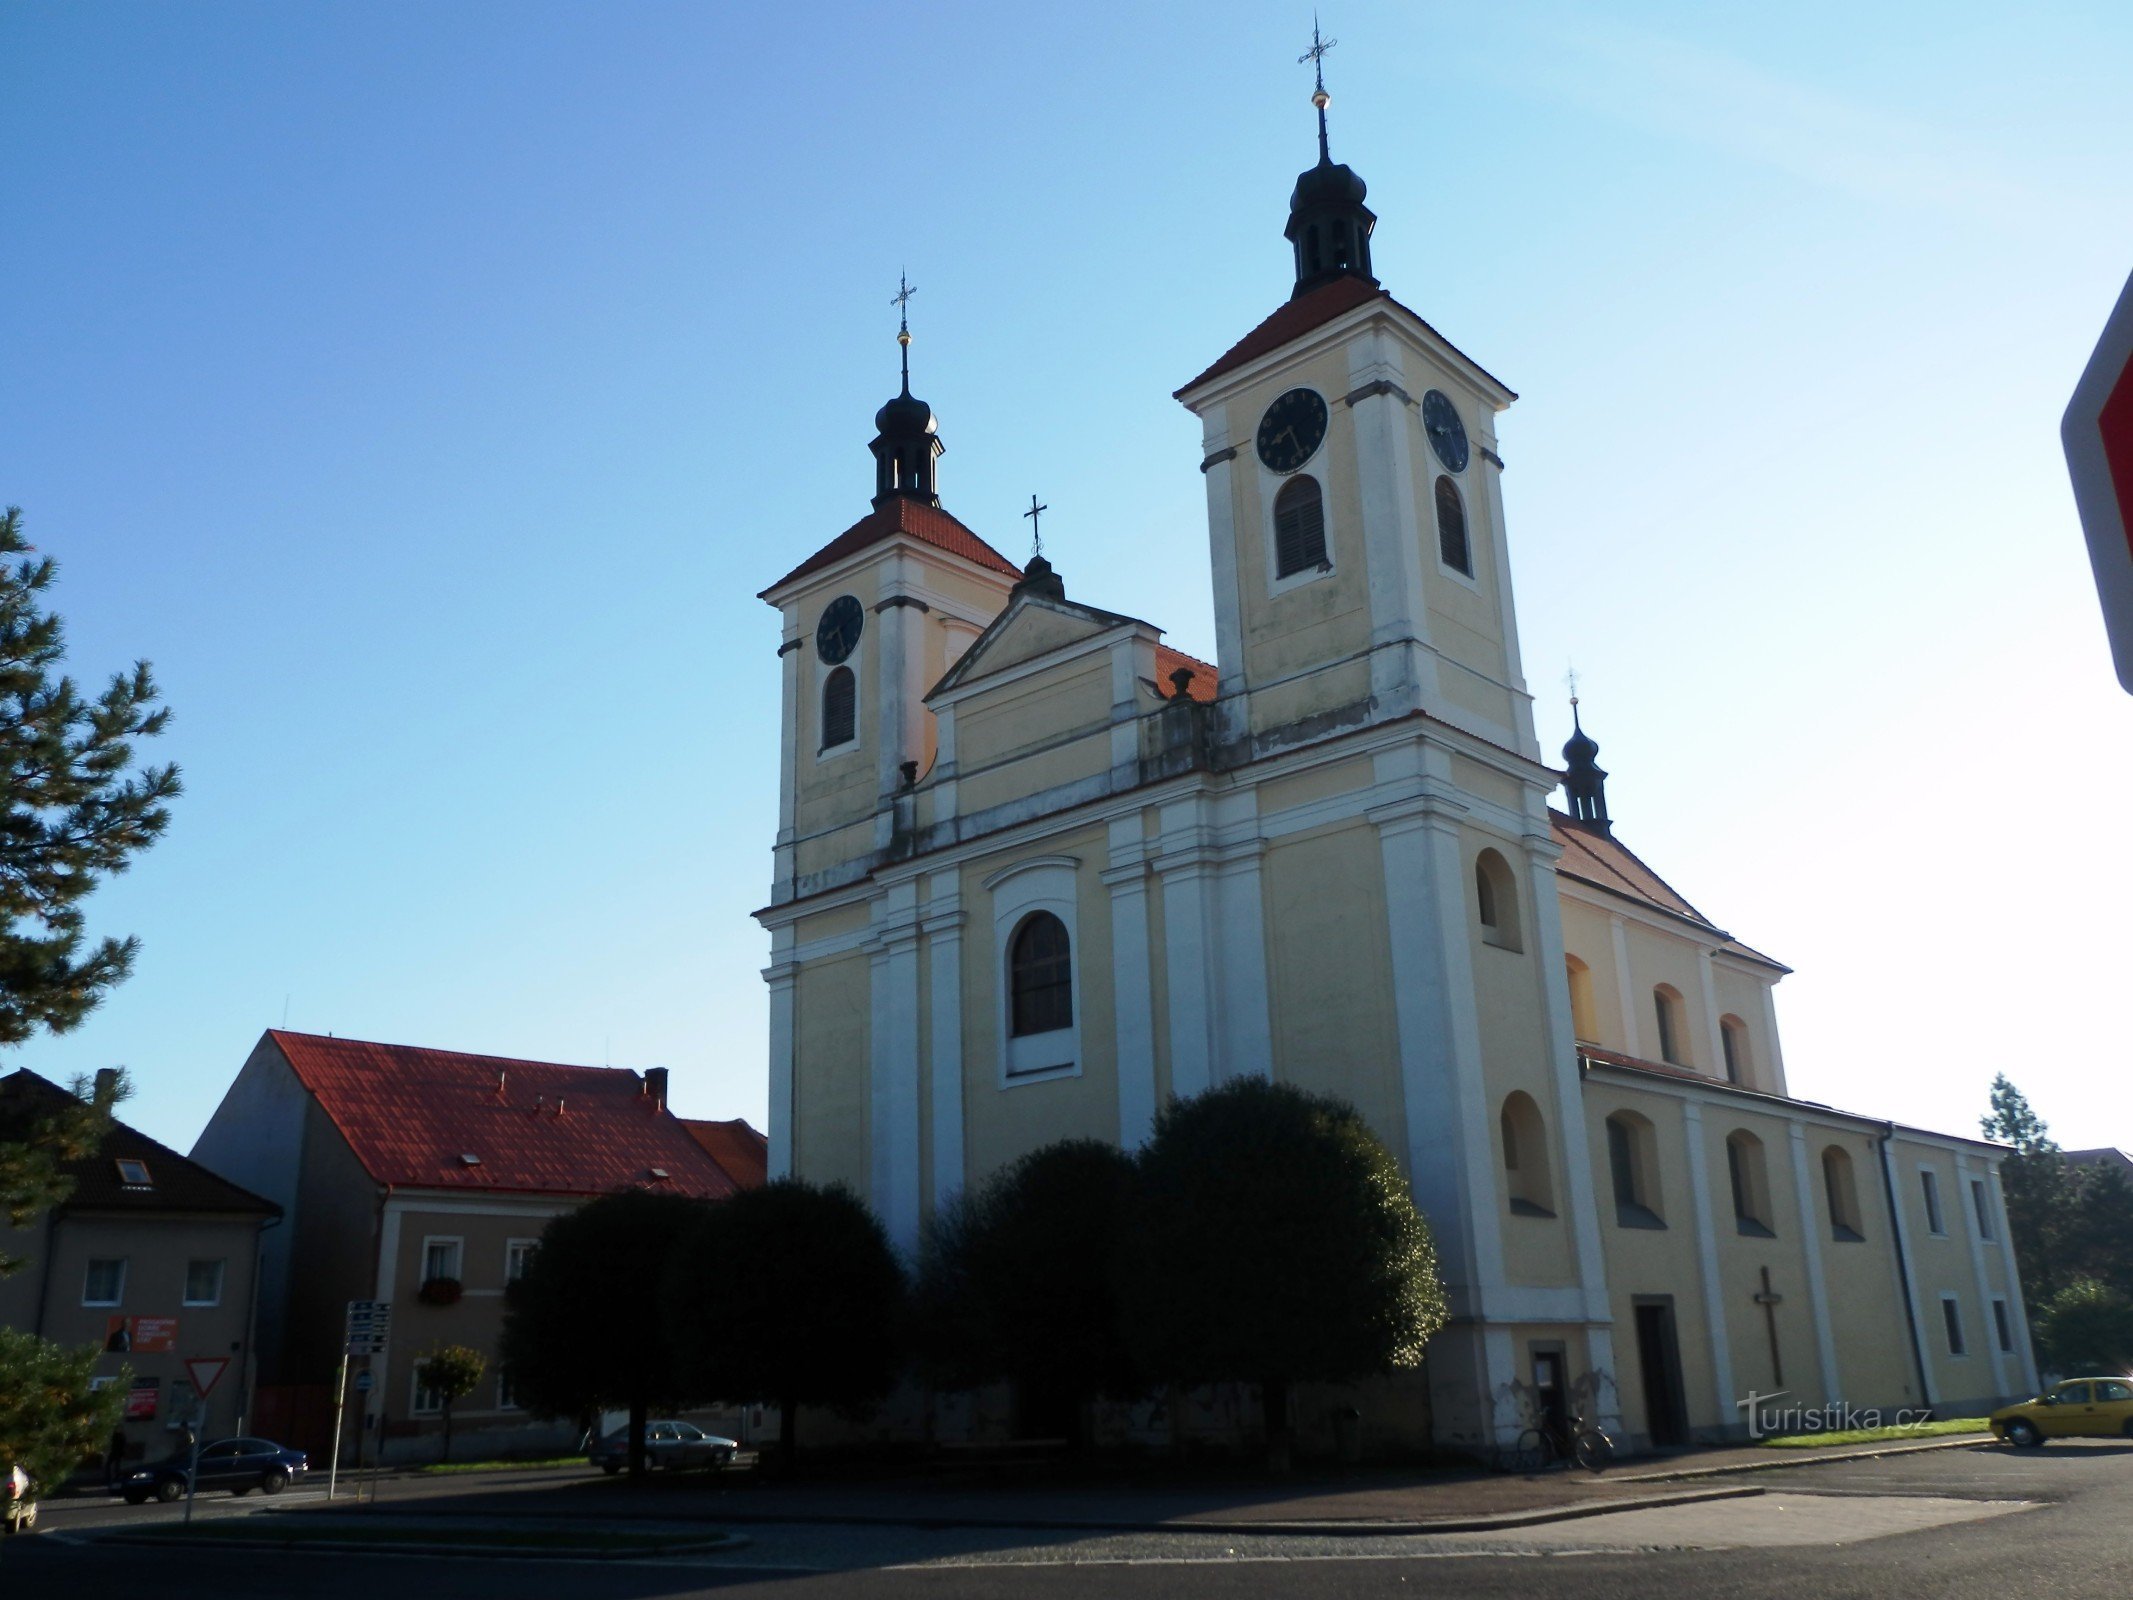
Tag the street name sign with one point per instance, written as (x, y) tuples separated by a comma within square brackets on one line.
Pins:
[(2097, 432), (370, 1326)]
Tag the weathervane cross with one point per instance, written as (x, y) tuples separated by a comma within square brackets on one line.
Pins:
[(905, 289), (1316, 55), (1571, 678), (1036, 539)]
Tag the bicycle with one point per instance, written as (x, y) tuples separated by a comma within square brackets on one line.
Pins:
[(1574, 1441)]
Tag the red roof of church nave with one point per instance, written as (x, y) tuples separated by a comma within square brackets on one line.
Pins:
[(410, 1114), (928, 524), (743, 1153)]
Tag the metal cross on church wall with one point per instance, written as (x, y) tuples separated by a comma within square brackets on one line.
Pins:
[(1769, 1299)]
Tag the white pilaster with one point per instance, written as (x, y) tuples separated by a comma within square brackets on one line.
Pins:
[(1488, 469), (2025, 1362), (1817, 1284), (944, 936), (781, 975), (1714, 1302), (783, 851), (1714, 1054), (898, 619), (894, 1080), (1242, 1024), (1402, 672), (1132, 997), (1988, 1335), (1626, 990), (1892, 1180), (1187, 889), (1223, 538), (1774, 1074)]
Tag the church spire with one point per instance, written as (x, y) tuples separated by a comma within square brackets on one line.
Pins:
[(1584, 780), (906, 445), (1328, 223)]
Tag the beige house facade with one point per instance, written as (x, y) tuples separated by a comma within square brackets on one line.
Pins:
[(1036, 874)]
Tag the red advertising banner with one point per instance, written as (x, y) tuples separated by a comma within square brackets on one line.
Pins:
[(141, 1399), (152, 1334)]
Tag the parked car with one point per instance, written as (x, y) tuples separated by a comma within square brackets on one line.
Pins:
[(18, 1512), (238, 1465), (672, 1445), (2080, 1408)]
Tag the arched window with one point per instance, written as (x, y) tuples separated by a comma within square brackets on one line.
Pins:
[(1496, 891), (1299, 527), (1583, 1022), (1842, 1191), (1633, 1162), (1452, 547), (1673, 1039), (1751, 1184), (1040, 976), (1733, 1040), (1525, 1157), (840, 708)]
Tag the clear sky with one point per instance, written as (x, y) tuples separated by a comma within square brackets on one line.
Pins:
[(428, 390)]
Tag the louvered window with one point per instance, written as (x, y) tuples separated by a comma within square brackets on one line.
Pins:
[(1452, 545), (1299, 527), (1041, 976), (840, 696)]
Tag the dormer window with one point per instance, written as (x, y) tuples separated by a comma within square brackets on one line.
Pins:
[(468, 1159), (134, 1174)]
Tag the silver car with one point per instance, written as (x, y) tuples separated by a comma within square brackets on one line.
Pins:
[(672, 1445)]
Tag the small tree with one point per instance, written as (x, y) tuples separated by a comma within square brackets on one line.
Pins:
[(789, 1293), (50, 1422), (450, 1372), (1277, 1244), (1019, 1278), (2086, 1327), (585, 1328)]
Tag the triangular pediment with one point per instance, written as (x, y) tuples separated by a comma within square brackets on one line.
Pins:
[(1032, 627)]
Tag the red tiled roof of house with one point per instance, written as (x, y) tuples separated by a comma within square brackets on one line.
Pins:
[(1167, 661), (928, 524), (1605, 862), (1295, 318), (411, 1114), (741, 1152), (175, 1183)]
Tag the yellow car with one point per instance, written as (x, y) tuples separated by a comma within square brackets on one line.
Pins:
[(2080, 1408)]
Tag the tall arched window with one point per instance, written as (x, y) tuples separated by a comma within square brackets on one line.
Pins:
[(1673, 1039), (1751, 1184), (1525, 1157), (1040, 976), (1733, 1040), (1842, 1191), (1496, 892), (1299, 527), (1584, 1022), (840, 708), (1452, 547), (1633, 1162)]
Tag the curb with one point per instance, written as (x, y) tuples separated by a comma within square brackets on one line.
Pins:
[(379, 1547), (1779, 1463)]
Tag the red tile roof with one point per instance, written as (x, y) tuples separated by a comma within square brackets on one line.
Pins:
[(928, 524), (740, 1151), (1167, 661), (1606, 863), (410, 1114), (1295, 318), (175, 1183)]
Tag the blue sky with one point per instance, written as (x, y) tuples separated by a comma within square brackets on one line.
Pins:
[(427, 391)]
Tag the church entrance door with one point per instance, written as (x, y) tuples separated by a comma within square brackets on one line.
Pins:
[(1659, 1363)]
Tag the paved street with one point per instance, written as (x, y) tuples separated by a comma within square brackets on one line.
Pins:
[(1954, 1522)]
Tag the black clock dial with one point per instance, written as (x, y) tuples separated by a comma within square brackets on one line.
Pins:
[(1292, 430), (1447, 435), (837, 634)]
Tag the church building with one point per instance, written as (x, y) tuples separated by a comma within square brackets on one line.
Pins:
[(1037, 873)]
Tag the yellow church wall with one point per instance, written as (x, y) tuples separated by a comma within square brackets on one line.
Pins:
[(833, 923), (1742, 1258), (1005, 1119), (1034, 631), (1488, 783), (1657, 958), (831, 1008), (1866, 1310), (1326, 782), (1346, 683), (1587, 936), (1033, 712), (1741, 996), (818, 852), (1329, 973), (1034, 771)]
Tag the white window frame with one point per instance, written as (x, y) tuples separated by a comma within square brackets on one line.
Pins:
[(1042, 883), (220, 1264), (823, 669), (512, 1250), (1953, 1333), (416, 1391), (1933, 1201), (1271, 484), (118, 1296), (459, 1257)]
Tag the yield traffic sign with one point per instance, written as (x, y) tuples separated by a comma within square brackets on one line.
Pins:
[(2098, 435), (206, 1372)]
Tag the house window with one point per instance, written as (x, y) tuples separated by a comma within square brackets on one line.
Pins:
[(440, 1259), (425, 1401), (203, 1283), (134, 1174), (1299, 528), (506, 1398), (1751, 1184), (1525, 1157), (1733, 1040), (1840, 1188), (517, 1254), (1041, 976), (104, 1284), (1496, 893), (1929, 1187), (1452, 547), (1632, 1159), (1951, 1313), (1981, 1203), (2003, 1326), (1583, 1022), (840, 708), (1673, 1046)]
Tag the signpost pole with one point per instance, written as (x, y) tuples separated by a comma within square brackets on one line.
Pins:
[(340, 1410)]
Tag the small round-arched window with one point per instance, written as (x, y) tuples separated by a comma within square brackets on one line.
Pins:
[(1299, 527), (840, 708), (1452, 547), (1496, 899), (1040, 976)]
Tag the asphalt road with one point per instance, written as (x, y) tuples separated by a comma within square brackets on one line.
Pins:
[(1985, 1522)]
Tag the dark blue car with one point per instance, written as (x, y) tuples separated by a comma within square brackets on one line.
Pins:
[(238, 1465)]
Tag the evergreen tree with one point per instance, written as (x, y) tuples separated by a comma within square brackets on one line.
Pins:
[(2069, 1223), (50, 1422)]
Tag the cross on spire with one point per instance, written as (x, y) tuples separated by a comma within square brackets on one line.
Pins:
[(905, 289), (1036, 539), (1570, 678), (1316, 56)]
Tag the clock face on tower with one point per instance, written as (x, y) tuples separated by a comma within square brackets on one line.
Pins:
[(1447, 435), (1292, 430), (837, 634)]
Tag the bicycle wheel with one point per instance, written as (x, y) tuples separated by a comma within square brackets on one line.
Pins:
[(1532, 1452), (1593, 1450)]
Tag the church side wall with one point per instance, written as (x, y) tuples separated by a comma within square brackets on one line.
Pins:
[(831, 1076)]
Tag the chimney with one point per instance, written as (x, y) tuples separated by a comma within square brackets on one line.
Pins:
[(655, 1085), (106, 1082)]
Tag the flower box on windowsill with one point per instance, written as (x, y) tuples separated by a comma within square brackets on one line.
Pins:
[(439, 1292)]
